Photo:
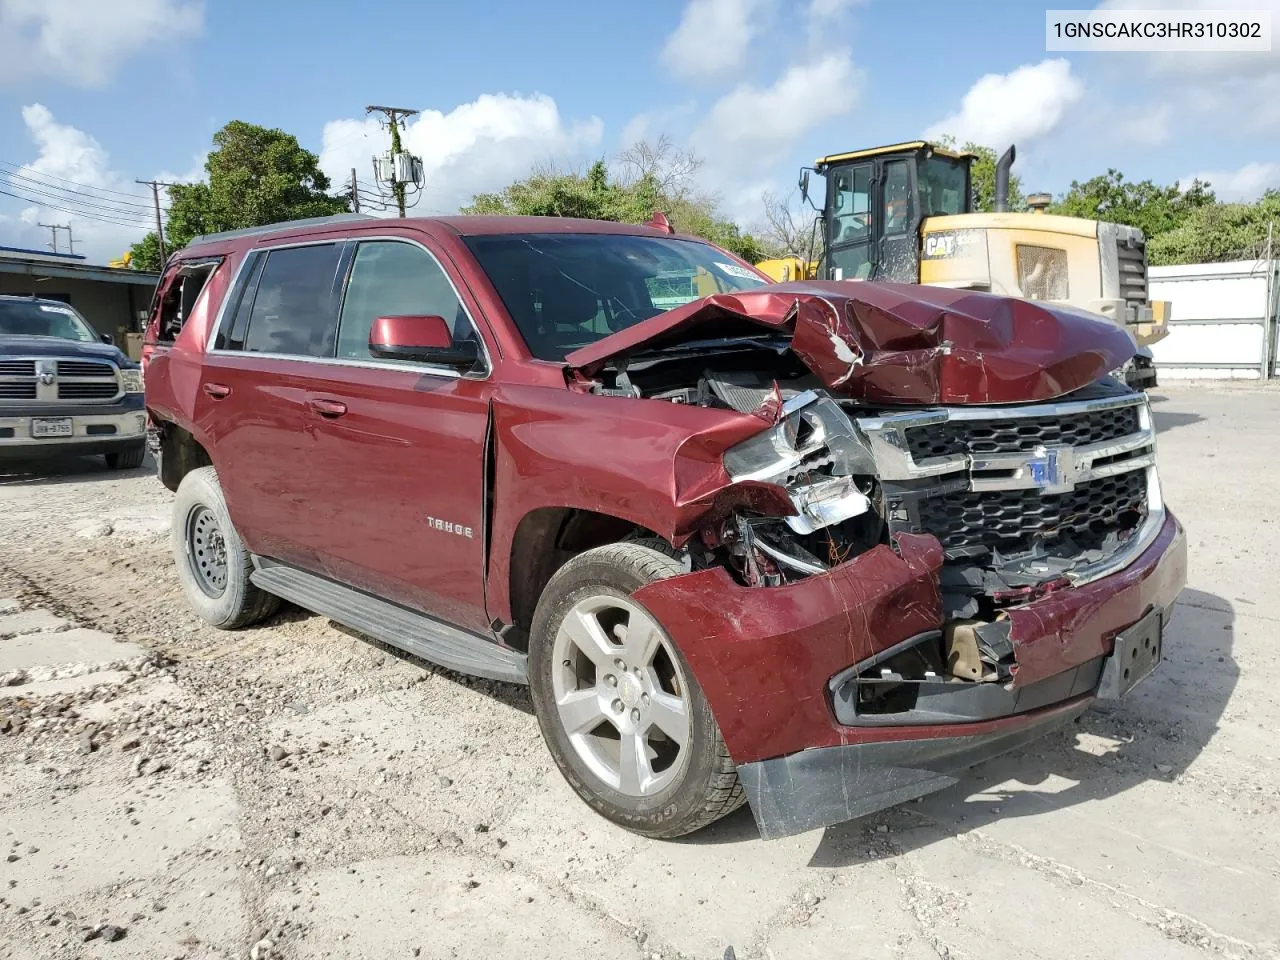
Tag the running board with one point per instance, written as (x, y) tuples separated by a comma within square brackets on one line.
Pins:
[(412, 632)]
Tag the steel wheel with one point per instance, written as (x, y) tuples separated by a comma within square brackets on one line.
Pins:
[(620, 695), (206, 551)]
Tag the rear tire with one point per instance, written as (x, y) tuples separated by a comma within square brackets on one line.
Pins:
[(128, 459), (613, 715), (212, 561)]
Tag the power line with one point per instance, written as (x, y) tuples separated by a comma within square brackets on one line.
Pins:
[(77, 213), (29, 183), (50, 176), (76, 202)]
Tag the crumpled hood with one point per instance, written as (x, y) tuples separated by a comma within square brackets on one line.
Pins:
[(898, 342)]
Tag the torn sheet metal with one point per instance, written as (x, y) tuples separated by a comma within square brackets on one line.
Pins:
[(897, 343)]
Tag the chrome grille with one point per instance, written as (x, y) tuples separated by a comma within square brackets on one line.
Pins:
[(1025, 433), (17, 368), (18, 389), (1012, 520), (86, 368), (87, 389)]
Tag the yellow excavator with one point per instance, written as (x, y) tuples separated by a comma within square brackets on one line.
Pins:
[(905, 212)]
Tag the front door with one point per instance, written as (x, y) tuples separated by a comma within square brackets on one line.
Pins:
[(850, 254), (898, 219), (400, 446)]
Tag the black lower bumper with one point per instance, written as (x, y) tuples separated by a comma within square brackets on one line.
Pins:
[(817, 788), (50, 449)]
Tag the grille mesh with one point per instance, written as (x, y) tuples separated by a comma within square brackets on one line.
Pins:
[(1020, 433), (87, 390), (1015, 518), (85, 368), (17, 390), (17, 368)]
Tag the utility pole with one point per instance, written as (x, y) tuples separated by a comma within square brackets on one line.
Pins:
[(53, 232), (155, 186), (71, 241), (395, 118), (355, 192)]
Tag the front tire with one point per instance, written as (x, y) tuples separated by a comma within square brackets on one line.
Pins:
[(212, 561), (619, 708), (129, 458)]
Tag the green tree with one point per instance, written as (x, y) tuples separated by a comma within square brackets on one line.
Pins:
[(652, 177), (1152, 208), (1214, 232), (255, 176), (982, 176)]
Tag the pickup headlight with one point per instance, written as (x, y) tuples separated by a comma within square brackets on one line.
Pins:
[(131, 380), (816, 453)]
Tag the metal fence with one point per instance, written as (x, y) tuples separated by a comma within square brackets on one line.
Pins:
[(1224, 319)]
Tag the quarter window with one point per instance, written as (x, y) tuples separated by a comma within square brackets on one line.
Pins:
[(293, 310), (390, 279)]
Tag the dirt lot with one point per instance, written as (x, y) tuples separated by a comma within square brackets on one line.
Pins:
[(168, 790)]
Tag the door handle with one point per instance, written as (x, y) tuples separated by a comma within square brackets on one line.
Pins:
[(217, 390), (331, 409)]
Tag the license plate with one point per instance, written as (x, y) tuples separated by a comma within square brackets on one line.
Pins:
[(1136, 654), (52, 427)]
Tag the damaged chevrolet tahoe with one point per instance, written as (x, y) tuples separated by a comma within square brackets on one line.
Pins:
[(814, 546)]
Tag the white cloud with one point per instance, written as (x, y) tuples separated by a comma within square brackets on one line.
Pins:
[(83, 41), (751, 130), (1004, 108), (105, 209), (830, 9), (1244, 183), (478, 146), (713, 37)]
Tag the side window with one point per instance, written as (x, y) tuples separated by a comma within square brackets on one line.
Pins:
[(897, 197), (851, 263), (235, 320), (388, 279), (852, 202), (293, 309)]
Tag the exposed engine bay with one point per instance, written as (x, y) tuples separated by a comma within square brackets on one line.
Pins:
[(1025, 499)]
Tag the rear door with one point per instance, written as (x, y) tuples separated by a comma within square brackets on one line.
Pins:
[(280, 323), (400, 446)]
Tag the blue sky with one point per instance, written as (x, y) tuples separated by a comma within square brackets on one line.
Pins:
[(96, 95)]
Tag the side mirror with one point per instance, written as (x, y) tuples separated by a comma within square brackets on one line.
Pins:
[(107, 338), (422, 338), (804, 183)]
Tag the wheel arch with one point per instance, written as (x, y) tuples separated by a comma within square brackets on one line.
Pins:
[(180, 452), (545, 539)]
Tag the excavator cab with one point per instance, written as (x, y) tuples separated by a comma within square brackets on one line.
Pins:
[(875, 202)]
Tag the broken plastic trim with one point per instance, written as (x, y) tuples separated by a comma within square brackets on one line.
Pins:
[(814, 452)]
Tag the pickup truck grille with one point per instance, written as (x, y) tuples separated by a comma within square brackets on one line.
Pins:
[(87, 389), (1011, 520), (1132, 261), (1073, 474), (43, 380), (1023, 433)]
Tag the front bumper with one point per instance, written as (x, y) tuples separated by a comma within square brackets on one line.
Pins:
[(765, 658), (96, 428)]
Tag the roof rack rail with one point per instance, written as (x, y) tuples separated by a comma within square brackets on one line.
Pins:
[(278, 227)]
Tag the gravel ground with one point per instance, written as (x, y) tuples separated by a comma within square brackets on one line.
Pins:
[(293, 790)]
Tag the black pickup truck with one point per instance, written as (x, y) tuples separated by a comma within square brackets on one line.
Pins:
[(65, 391)]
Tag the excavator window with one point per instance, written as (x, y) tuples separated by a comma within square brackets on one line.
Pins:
[(851, 197), (944, 188), (897, 198)]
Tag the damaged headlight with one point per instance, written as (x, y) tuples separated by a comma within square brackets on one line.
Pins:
[(817, 454)]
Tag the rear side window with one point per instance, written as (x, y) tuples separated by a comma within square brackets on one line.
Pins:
[(180, 296), (293, 310), (388, 279)]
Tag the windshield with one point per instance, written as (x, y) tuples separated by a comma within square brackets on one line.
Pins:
[(565, 291), (31, 318), (942, 187)]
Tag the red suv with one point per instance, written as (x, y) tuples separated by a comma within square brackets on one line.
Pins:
[(816, 546)]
